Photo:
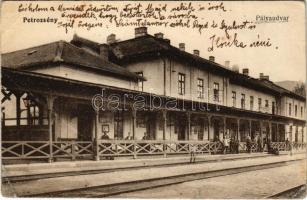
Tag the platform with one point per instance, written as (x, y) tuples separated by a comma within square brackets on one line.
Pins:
[(67, 183), (89, 165)]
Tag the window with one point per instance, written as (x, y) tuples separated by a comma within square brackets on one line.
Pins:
[(243, 101), (301, 111), (251, 102), (266, 103), (290, 107), (140, 82), (200, 88), (181, 83), (216, 89), (259, 104), (33, 114), (273, 107), (295, 110), (234, 99)]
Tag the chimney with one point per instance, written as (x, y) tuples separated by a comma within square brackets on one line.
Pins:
[(182, 46), (211, 58), (227, 63), (167, 41), (264, 77), (111, 38), (104, 51), (140, 31), (235, 68), (196, 52), (159, 35), (245, 71)]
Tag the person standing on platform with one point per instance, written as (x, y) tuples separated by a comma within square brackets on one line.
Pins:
[(259, 144), (264, 148), (226, 144), (129, 137), (107, 145), (192, 154), (249, 144), (287, 144), (232, 145), (145, 137)]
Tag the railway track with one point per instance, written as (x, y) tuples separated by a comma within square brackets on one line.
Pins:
[(116, 189), (292, 193), (14, 179)]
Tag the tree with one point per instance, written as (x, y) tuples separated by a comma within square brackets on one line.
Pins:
[(300, 89)]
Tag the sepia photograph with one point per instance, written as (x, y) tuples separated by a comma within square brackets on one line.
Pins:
[(153, 99)]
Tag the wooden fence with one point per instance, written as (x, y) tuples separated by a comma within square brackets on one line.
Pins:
[(114, 148)]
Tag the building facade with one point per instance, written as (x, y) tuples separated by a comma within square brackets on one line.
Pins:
[(139, 89)]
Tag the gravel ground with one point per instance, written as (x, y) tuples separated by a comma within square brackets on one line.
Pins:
[(256, 184)]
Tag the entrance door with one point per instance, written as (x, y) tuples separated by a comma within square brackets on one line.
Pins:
[(181, 130), (216, 130), (233, 131), (296, 134), (274, 134), (151, 126), (85, 121), (118, 125)]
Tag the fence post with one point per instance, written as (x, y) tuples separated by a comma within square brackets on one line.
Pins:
[(209, 149), (73, 151), (22, 149), (134, 150), (50, 101), (164, 117), (164, 149), (96, 142)]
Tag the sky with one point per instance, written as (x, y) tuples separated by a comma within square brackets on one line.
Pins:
[(284, 60)]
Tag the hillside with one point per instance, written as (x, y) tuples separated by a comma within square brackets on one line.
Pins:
[(289, 85)]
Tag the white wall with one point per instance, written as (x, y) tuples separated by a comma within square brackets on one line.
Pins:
[(285, 104), (250, 92), (74, 73), (153, 72)]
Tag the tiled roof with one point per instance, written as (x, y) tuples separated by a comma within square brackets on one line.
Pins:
[(149, 45), (31, 56), (63, 52), (79, 41), (138, 46)]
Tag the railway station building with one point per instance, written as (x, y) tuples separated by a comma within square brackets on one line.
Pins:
[(136, 97)]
